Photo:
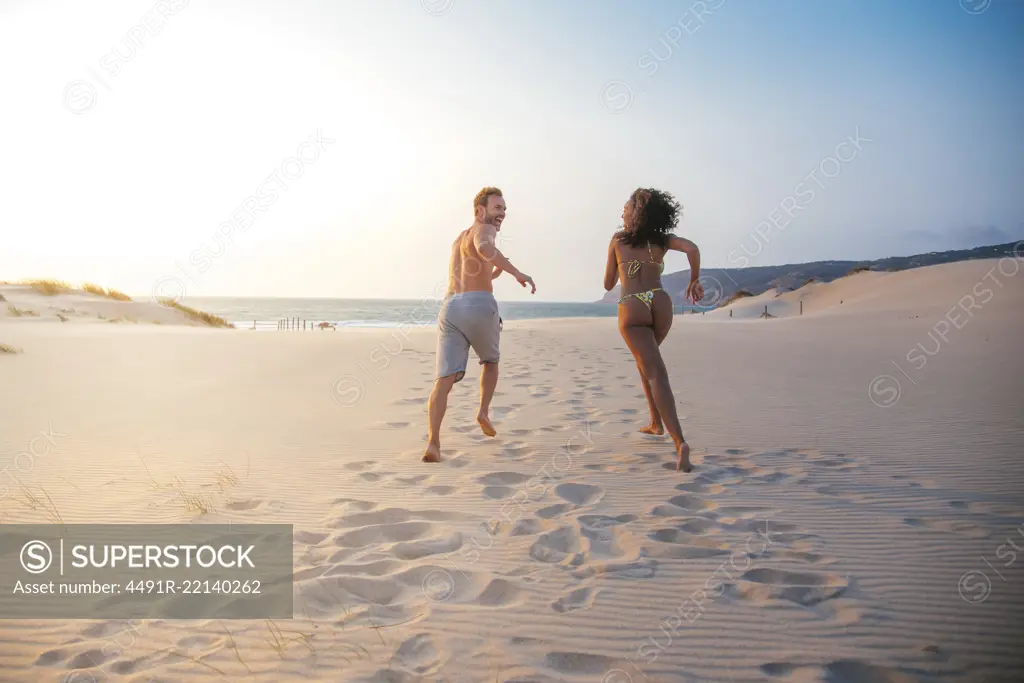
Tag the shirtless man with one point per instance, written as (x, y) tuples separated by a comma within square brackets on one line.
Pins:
[(469, 315)]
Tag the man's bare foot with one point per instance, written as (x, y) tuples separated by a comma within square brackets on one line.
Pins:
[(683, 463), (485, 425), (653, 428), (432, 454)]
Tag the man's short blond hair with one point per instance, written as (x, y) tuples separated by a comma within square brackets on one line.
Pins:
[(484, 196)]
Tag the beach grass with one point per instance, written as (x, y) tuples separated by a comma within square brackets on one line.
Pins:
[(193, 314), (108, 293), (857, 269), (49, 287), (19, 312), (740, 294)]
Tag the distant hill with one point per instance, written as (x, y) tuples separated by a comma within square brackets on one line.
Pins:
[(722, 283)]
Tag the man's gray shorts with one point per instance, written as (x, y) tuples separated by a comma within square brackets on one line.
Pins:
[(467, 319)]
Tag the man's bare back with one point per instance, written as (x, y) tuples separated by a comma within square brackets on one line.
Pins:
[(468, 271)]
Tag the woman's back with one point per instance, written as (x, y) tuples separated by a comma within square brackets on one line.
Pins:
[(640, 267)]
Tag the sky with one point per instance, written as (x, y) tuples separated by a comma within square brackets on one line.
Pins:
[(313, 148)]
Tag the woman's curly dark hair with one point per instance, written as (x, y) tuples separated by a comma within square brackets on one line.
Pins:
[(656, 215)]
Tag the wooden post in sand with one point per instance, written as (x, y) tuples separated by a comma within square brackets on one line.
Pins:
[(766, 310), (801, 307), (730, 312)]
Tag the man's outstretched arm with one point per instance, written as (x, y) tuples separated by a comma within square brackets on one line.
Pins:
[(485, 242)]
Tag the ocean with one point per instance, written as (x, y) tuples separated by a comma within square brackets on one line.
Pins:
[(266, 312)]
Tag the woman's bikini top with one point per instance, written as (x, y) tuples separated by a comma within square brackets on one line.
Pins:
[(633, 267)]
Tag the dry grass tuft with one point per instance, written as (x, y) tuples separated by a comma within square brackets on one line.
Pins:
[(34, 502), (49, 287), (857, 269), (193, 314), (740, 294), (19, 312), (108, 293), (4, 348), (807, 282)]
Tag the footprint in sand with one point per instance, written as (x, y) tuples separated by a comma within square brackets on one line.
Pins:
[(243, 505), (950, 526), (523, 527), (352, 503), (845, 670), (581, 598), (419, 400), (681, 506), (610, 543), (604, 468), (361, 465), (390, 425), (517, 450), (576, 664), (603, 521), (685, 548), (805, 589), (414, 550), (419, 655), (413, 480), (440, 490), (497, 492), (503, 478), (557, 546), (579, 494), (499, 413), (556, 510), (700, 486)]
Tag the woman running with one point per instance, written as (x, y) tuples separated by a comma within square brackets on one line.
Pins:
[(645, 309)]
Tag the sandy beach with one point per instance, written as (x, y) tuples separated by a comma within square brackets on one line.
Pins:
[(851, 514)]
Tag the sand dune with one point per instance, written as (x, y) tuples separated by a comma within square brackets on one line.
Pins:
[(24, 304), (918, 291), (835, 528)]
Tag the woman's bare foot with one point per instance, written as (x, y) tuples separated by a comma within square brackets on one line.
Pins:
[(654, 428), (432, 454), (485, 425), (683, 463)]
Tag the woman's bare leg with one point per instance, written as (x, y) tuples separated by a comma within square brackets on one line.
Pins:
[(656, 427), (644, 346), (662, 324)]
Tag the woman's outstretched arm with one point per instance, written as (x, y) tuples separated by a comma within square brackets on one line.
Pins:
[(692, 253), (611, 269), (694, 290)]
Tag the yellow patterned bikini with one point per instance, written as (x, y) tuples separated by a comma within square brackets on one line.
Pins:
[(634, 269)]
